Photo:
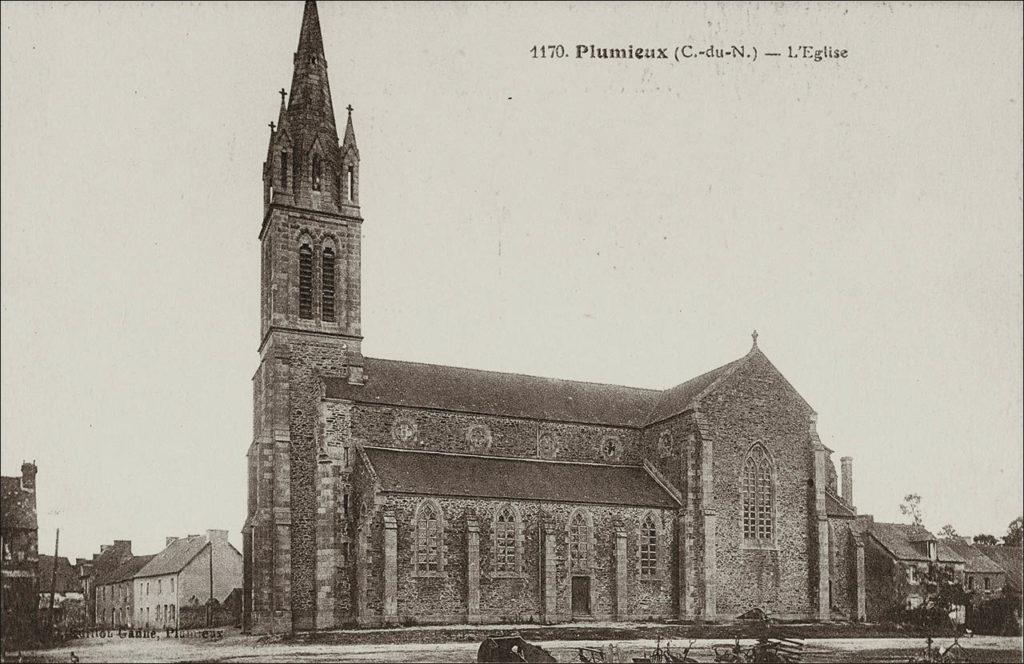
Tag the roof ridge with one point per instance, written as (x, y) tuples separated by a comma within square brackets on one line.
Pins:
[(506, 458), (523, 375)]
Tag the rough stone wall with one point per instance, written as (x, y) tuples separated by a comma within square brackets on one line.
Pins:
[(884, 578), (515, 437), (672, 447), (842, 564), (286, 231), (503, 598), (282, 548), (756, 405)]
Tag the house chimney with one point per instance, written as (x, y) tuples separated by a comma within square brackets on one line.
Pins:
[(217, 535), (28, 476), (847, 463), (169, 540), (103, 548)]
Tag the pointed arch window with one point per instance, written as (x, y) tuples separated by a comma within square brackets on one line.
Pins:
[(284, 170), (758, 496), (648, 547), (316, 172), (350, 184), (327, 287), (428, 539), (305, 282), (579, 541), (505, 532)]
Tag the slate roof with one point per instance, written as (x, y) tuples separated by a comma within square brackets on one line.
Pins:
[(976, 560), (107, 563), (412, 384), (1009, 559), (835, 507), (16, 510), (463, 475), (905, 542), (677, 399), (67, 576), (396, 383), (125, 571), (174, 558)]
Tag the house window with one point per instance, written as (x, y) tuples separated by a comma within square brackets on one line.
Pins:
[(428, 539), (284, 171), (305, 282), (316, 172), (758, 495), (579, 542), (327, 294), (931, 551), (505, 541), (987, 583), (912, 574), (648, 546)]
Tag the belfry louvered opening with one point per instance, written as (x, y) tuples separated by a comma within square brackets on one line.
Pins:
[(305, 282), (327, 294)]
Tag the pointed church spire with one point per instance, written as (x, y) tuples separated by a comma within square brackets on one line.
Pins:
[(310, 97), (311, 42), (350, 132)]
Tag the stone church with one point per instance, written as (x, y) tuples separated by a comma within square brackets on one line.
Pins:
[(384, 491)]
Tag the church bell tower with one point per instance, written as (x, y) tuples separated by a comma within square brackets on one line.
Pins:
[(309, 328)]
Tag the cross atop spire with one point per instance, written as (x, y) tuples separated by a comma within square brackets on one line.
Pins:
[(754, 337)]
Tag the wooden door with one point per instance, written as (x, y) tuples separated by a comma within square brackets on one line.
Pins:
[(581, 595)]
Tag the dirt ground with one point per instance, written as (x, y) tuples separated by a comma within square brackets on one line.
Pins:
[(238, 648)]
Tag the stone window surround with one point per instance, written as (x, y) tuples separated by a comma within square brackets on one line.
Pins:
[(660, 561), (588, 518), (769, 544), (441, 570), (520, 539)]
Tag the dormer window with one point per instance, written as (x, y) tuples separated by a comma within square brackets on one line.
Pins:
[(932, 550)]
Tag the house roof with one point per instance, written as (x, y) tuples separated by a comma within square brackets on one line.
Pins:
[(16, 508), (125, 571), (1008, 558), (66, 581), (905, 542), (175, 557), (463, 475), (395, 383), (107, 563), (976, 560)]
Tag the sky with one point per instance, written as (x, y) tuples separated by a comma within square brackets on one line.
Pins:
[(617, 221)]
